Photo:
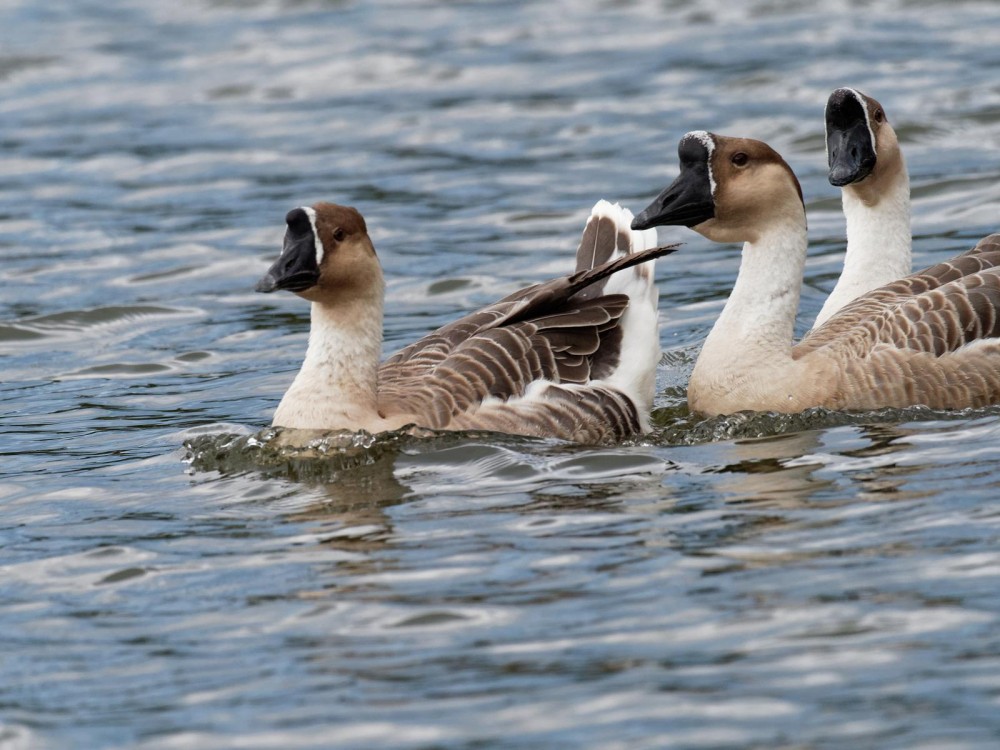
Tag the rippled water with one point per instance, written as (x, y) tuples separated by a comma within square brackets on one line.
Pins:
[(818, 581)]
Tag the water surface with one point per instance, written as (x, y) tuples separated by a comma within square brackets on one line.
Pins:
[(808, 582)]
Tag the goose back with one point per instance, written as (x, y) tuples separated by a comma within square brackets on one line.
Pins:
[(930, 338), (537, 361), (882, 303)]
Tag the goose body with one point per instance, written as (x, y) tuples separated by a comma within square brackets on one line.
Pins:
[(574, 357), (866, 163), (929, 338)]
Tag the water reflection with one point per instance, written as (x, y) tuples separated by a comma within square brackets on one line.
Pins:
[(351, 514), (795, 469)]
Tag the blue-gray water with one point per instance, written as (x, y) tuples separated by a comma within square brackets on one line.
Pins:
[(832, 584)]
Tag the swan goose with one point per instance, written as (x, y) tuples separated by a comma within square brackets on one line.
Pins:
[(865, 161), (928, 338), (574, 357)]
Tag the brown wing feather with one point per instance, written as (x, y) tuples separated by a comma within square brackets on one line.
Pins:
[(860, 313), (533, 301), (592, 415), (890, 376), (432, 349), (501, 362), (937, 322), (548, 331)]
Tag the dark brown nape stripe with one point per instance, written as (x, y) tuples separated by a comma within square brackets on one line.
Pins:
[(795, 180)]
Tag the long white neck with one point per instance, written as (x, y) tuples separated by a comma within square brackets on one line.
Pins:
[(336, 387), (878, 241), (746, 362), (758, 319)]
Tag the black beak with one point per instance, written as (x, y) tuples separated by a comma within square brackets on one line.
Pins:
[(852, 157), (849, 143), (267, 284), (687, 202), (295, 269)]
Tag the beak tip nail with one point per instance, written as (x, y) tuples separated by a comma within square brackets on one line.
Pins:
[(266, 285)]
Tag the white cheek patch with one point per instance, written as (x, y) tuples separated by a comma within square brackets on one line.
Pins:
[(311, 213), (706, 140)]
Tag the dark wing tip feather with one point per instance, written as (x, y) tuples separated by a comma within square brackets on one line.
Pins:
[(582, 279), (597, 243)]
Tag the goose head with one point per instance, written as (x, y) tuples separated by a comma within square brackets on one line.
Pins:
[(861, 146), (728, 190), (326, 255)]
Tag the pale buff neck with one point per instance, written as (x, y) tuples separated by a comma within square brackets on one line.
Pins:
[(759, 316), (746, 362), (336, 387), (878, 237), (753, 335)]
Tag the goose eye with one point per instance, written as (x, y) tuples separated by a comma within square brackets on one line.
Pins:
[(338, 234), (740, 159), (879, 115)]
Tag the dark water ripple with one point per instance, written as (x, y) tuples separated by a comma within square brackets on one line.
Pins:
[(821, 580)]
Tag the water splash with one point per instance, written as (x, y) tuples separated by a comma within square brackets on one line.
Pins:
[(295, 454), (677, 426), (315, 455)]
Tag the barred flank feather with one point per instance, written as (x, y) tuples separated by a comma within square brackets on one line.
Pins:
[(547, 360), (938, 309)]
